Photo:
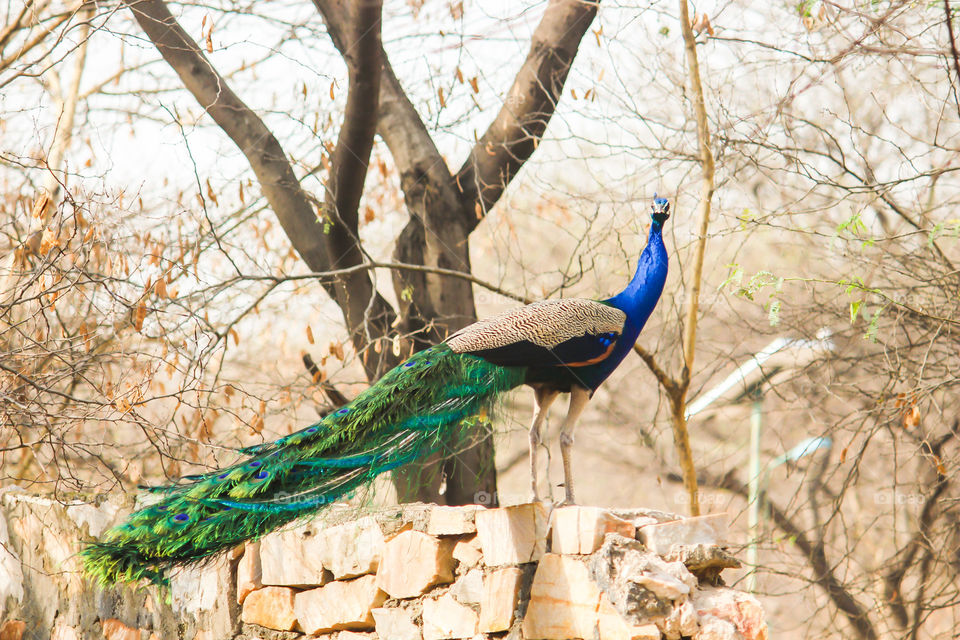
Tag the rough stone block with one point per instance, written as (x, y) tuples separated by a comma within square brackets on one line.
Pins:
[(662, 584), (467, 552), (413, 562), (292, 558), (198, 592), (249, 571), (452, 521), (659, 538), (741, 610), (14, 629), (270, 607), (395, 624), (580, 530), (353, 548), (705, 561), (713, 628), (563, 600), (612, 626), (683, 621), (113, 629), (339, 605), (63, 632), (445, 618), (512, 535), (468, 589), (499, 602), (640, 585), (353, 635)]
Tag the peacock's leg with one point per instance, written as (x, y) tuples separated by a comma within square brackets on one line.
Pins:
[(543, 399), (578, 401)]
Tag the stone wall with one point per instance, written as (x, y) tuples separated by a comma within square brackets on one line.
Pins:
[(415, 572)]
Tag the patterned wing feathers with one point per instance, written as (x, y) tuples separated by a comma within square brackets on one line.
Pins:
[(545, 324)]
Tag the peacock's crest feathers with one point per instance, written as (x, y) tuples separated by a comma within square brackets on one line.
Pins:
[(408, 414)]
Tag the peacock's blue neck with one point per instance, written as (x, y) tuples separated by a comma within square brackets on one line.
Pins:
[(641, 295), (637, 301)]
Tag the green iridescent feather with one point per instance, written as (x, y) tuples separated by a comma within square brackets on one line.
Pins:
[(415, 410)]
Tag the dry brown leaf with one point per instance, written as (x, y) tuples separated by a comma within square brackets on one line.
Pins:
[(701, 23), (141, 313), (443, 102), (211, 194), (48, 240), (911, 417), (235, 335), (456, 10), (40, 205), (209, 40), (336, 349), (309, 335), (474, 84)]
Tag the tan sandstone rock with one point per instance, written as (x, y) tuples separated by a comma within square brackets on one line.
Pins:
[(563, 600), (270, 607), (467, 552), (114, 629), (468, 588), (353, 548), (292, 558), (512, 535), (580, 530), (612, 626), (339, 605), (499, 601), (742, 610), (413, 562), (452, 521), (659, 538), (683, 621), (445, 618), (395, 624), (14, 629), (249, 571)]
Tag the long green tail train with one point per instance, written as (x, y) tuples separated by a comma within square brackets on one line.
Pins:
[(409, 414)]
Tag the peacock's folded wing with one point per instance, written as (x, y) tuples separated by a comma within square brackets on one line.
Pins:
[(567, 332)]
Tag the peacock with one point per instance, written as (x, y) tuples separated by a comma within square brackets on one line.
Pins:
[(570, 345)]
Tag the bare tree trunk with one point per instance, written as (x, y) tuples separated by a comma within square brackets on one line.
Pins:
[(444, 208)]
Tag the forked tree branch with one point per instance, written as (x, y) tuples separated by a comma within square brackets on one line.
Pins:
[(514, 134), (360, 304)]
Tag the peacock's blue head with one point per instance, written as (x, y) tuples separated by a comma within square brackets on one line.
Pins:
[(660, 210)]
